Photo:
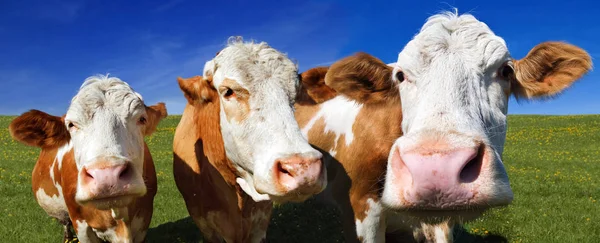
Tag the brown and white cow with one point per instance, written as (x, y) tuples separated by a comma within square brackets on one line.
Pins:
[(95, 170), (238, 146), (452, 82)]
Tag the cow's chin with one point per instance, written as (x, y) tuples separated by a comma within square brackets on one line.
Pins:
[(264, 191), (290, 198), (105, 202), (440, 216), (110, 202)]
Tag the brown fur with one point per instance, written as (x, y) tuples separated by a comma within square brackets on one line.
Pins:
[(549, 68), (240, 110), (313, 89), (155, 114), (375, 129), (363, 78), (37, 128), (204, 175)]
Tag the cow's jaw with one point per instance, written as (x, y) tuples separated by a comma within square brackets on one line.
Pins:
[(448, 163)]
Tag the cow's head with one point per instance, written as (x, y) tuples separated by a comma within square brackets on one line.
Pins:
[(256, 87), (455, 78), (105, 126)]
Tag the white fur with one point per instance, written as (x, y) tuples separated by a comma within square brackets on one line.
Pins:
[(109, 235), (120, 213), (85, 233), (53, 205), (106, 112), (251, 191), (339, 115), (440, 235), (451, 93), (60, 154), (372, 227), (88, 234), (270, 131)]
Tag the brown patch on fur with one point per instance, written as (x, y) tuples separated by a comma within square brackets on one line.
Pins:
[(197, 89), (549, 68), (37, 128), (235, 111), (313, 89), (363, 78), (155, 114), (206, 178)]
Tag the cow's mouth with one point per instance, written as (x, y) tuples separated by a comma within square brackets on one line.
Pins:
[(105, 203), (434, 216)]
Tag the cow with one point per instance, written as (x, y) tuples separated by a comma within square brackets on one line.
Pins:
[(95, 173), (237, 148), (415, 147)]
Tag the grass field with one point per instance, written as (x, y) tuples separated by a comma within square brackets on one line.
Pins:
[(553, 163)]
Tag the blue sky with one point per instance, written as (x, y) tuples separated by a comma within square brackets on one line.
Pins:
[(49, 47)]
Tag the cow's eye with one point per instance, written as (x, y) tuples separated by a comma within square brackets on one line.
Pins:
[(506, 71), (399, 76), (142, 121), (228, 93), (71, 126)]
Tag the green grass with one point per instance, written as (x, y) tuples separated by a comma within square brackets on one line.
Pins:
[(553, 163)]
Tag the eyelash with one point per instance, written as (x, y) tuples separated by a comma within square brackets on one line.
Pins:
[(400, 76)]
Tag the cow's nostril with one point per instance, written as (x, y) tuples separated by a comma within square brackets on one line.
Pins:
[(283, 170), (125, 172), (470, 172), (88, 174)]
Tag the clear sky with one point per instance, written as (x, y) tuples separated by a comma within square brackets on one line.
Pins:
[(49, 47)]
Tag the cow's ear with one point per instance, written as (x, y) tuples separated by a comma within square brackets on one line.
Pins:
[(548, 69), (313, 85), (362, 77), (155, 114), (197, 89), (209, 68), (37, 128)]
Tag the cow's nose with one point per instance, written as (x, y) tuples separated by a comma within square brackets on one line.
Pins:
[(299, 173), (439, 177), (107, 175)]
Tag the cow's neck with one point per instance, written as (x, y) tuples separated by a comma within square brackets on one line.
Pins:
[(208, 129)]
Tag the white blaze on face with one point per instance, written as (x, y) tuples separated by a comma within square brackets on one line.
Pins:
[(257, 87), (104, 120), (452, 98)]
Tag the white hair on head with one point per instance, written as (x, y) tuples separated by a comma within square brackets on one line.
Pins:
[(449, 32), (101, 90), (255, 62)]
